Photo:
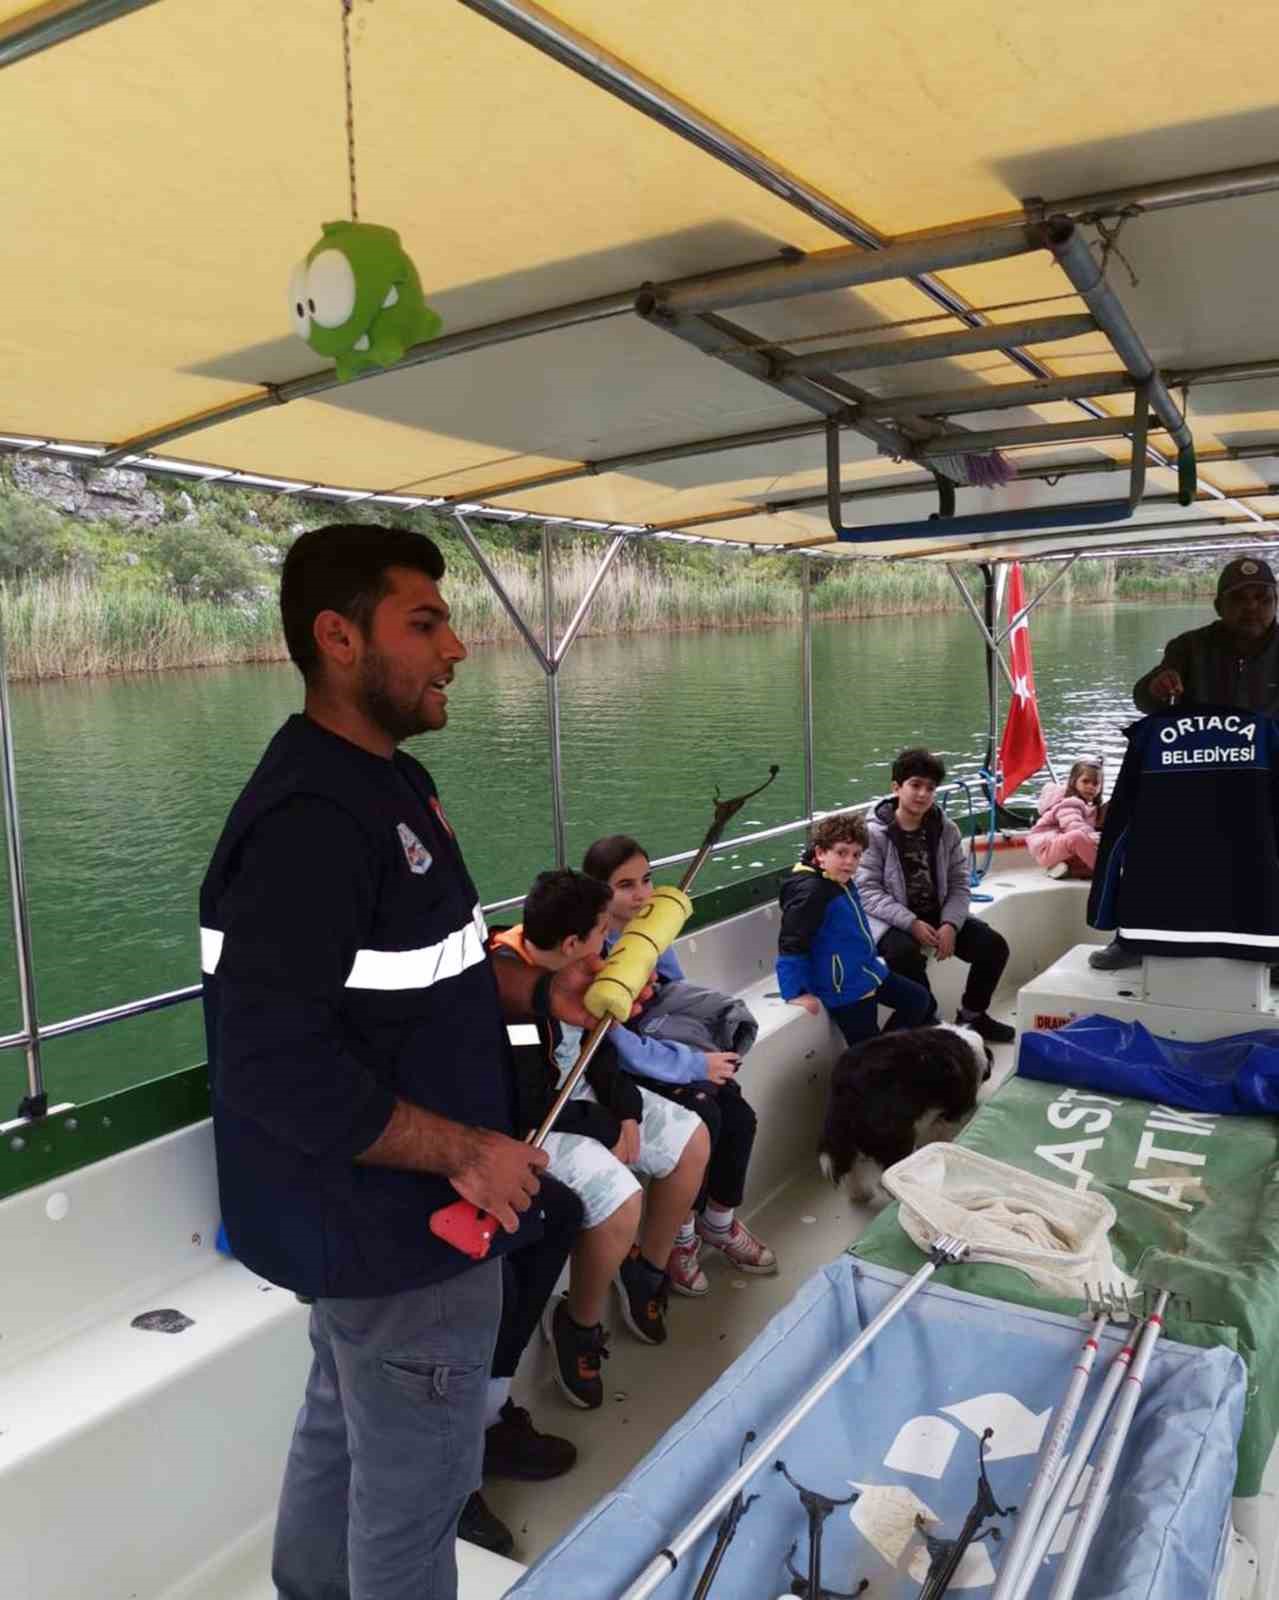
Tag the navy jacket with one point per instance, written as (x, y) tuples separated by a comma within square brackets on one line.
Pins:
[(825, 945), (344, 961), (1189, 857)]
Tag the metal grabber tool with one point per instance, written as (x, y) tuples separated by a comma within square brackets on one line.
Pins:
[(609, 999)]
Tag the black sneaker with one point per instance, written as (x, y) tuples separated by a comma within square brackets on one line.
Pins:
[(579, 1353), (643, 1290), (985, 1027), (479, 1525), (1115, 957), (513, 1448)]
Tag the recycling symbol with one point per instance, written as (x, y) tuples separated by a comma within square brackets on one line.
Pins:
[(885, 1513)]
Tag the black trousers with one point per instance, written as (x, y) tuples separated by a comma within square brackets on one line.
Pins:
[(529, 1275), (731, 1123), (985, 951)]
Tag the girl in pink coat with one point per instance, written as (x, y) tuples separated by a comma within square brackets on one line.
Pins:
[(1064, 840)]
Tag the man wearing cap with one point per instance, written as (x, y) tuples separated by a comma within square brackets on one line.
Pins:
[(1231, 662)]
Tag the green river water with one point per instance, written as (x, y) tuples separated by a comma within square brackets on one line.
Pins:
[(124, 782)]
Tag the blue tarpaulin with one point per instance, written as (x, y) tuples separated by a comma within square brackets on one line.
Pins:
[(1238, 1075), (903, 1426)]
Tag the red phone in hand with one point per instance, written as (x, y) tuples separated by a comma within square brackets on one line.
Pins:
[(466, 1227)]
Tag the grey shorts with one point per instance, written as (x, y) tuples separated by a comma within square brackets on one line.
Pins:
[(598, 1178)]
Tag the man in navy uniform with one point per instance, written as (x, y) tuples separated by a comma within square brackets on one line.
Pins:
[(361, 1078), (1231, 662)]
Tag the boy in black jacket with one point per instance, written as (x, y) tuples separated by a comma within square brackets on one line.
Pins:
[(610, 1130)]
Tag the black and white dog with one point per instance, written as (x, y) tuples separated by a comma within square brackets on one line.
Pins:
[(893, 1093)]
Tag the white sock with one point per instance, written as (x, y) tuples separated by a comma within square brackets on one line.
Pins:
[(719, 1219), (499, 1393), (686, 1237)]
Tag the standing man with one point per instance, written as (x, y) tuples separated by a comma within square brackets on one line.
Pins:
[(361, 1078), (1231, 662)]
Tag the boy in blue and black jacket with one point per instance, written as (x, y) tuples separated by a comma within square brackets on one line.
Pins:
[(825, 952)]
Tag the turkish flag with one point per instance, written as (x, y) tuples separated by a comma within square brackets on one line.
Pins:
[(1022, 750)]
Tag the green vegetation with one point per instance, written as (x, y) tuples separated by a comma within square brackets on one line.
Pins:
[(196, 584)]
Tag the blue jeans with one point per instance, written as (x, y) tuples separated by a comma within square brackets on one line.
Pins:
[(389, 1442), (912, 1006)]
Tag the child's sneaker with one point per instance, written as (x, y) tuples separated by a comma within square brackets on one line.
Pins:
[(740, 1246), (579, 1353), (1061, 870), (685, 1271), (986, 1027), (642, 1290)]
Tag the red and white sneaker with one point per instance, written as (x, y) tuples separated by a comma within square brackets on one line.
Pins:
[(740, 1246), (684, 1270)]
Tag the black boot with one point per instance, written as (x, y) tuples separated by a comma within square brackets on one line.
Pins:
[(514, 1448), (1116, 957), (478, 1525)]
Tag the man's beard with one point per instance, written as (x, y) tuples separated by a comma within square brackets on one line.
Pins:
[(397, 718)]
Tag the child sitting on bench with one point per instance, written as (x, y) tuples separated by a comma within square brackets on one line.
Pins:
[(611, 1129), (701, 1079)]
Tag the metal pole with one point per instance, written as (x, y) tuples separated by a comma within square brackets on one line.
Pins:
[(1002, 396), (1068, 1478), (553, 700), (1040, 434), (1042, 595), (36, 1102), (1108, 1457), (944, 1249), (1080, 266), (57, 24), (935, 347), (495, 583), (1049, 1464), (806, 680), (1234, 183), (993, 657), (584, 604)]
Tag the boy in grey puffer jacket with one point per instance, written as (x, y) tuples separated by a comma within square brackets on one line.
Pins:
[(913, 883)]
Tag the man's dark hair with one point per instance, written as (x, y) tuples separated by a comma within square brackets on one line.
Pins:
[(343, 567), (918, 763), (563, 903), (606, 855)]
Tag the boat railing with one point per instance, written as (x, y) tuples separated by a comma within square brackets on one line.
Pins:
[(90, 1020)]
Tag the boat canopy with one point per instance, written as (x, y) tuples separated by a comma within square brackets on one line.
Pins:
[(696, 266)]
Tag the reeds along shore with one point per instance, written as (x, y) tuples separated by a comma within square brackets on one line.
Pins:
[(59, 627)]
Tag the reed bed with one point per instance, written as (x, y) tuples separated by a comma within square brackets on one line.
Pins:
[(64, 626)]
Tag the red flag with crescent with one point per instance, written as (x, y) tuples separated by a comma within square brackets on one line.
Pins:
[(1022, 750)]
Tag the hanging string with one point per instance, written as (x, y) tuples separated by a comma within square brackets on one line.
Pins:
[(350, 105), (1108, 238)]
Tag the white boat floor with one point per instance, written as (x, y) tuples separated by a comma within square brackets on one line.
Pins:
[(808, 1223)]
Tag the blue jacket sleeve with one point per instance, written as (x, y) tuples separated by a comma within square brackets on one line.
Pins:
[(794, 976), (664, 1059), (293, 918)]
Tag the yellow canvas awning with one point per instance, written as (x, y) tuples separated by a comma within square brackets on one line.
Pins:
[(163, 173)]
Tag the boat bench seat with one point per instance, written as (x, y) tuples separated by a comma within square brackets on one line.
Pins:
[(152, 1456)]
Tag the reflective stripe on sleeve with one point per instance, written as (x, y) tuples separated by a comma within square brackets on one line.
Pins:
[(419, 969), (521, 1033), (210, 949)]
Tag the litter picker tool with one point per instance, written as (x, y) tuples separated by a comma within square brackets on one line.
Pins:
[(727, 1530), (946, 1554), (818, 1508), (609, 999), (943, 1251)]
